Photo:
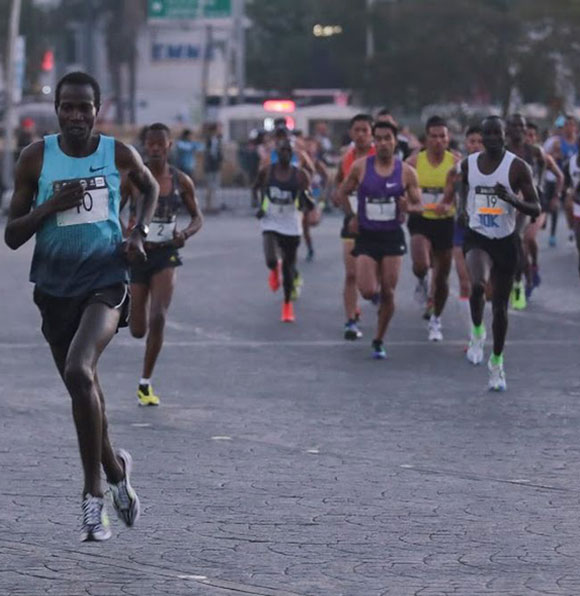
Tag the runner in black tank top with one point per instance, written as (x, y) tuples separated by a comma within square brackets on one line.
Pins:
[(152, 282), (283, 202)]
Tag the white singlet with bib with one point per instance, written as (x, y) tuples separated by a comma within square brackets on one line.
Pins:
[(574, 172), (488, 214)]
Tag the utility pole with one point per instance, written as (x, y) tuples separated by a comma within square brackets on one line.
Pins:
[(240, 35), (370, 36), (90, 24), (8, 162), (207, 35)]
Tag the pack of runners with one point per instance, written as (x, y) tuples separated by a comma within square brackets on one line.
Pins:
[(484, 211)]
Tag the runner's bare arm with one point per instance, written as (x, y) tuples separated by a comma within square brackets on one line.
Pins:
[(521, 180), (349, 185), (259, 184), (306, 163), (338, 180), (450, 193), (322, 171), (127, 196), (130, 164), (413, 202), (306, 201), (23, 220), (560, 178), (189, 199)]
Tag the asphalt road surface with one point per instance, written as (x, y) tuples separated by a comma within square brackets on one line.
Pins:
[(283, 460)]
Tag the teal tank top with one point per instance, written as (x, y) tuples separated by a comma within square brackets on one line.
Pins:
[(79, 250)]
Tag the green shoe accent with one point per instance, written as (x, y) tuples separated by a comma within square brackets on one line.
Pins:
[(496, 360), (478, 330), (518, 296)]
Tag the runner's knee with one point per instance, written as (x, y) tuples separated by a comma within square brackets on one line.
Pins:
[(138, 328), (78, 375), (420, 269), (157, 321)]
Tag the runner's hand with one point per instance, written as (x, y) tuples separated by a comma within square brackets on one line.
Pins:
[(502, 192), (352, 225), (260, 213), (441, 208), (68, 197), (134, 250), (178, 239)]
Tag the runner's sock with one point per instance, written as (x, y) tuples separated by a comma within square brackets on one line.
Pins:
[(496, 360), (478, 330)]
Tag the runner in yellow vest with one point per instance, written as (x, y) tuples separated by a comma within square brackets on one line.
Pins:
[(432, 230)]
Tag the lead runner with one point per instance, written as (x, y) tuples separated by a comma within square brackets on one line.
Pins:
[(67, 195)]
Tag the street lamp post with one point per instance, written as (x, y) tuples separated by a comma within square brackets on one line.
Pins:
[(8, 162)]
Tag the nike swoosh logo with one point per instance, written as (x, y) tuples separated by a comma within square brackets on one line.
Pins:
[(96, 169), (391, 185)]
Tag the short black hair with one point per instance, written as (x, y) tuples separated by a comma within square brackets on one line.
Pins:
[(474, 129), (516, 116), (385, 124), (78, 78), (383, 112), (532, 125), (361, 118), (435, 121), (493, 117), (159, 126)]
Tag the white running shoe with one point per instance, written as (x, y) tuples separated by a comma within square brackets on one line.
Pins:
[(435, 327), (475, 350), (125, 499), (422, 291), (95, 525), (497, 380)]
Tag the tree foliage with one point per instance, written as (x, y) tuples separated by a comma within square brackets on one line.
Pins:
[(426, 51)]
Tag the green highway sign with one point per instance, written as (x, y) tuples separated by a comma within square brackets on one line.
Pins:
[(188, 9)]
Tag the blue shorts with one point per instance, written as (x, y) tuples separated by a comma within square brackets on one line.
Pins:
[(458, 234)]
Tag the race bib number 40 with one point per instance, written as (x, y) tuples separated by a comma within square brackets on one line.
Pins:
[(161, 231), (488, 206), (94, 206), (381, 209)]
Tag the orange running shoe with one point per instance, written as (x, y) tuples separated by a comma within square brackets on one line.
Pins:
[(274, 278), (287, 312)]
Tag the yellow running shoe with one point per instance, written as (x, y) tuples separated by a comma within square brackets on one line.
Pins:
[(146, 397)]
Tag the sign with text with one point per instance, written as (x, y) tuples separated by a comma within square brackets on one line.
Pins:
[(188, 9)]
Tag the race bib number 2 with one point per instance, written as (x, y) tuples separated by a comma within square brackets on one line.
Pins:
[(161, 231), (94, 206)]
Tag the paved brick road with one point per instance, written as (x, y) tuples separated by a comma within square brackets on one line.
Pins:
[(284, 462)]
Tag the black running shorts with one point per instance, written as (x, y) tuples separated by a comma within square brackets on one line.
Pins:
[(438, 231), (503, 251), (61, 317), (380, 244), (158, 259)]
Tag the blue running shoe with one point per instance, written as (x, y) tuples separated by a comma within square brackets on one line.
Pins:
[(378, 350)]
